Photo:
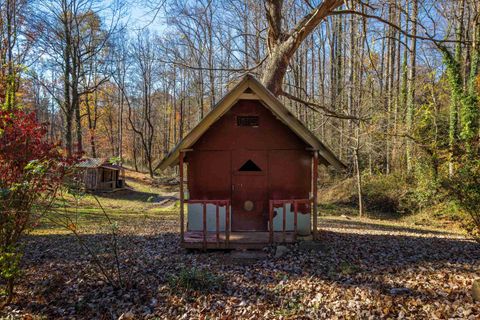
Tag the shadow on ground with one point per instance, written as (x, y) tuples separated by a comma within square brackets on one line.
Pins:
[(349, 225), (134, 195), (353, 255)]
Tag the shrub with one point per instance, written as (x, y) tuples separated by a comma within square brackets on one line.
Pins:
[(195, 279), (381, 193), (387, 194), (31, 170), (464, 187)]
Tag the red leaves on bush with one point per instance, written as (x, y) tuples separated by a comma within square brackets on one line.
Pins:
[(31, 170), (22, 139)]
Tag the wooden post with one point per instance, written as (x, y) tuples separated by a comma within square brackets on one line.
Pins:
[(217, 204), (182, 200), (227, 223), (295, 212), (204, 225), (270, 220), (314, 190)]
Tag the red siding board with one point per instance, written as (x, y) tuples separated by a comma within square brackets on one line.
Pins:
[(209, 175), (271, 133), (272, 146)]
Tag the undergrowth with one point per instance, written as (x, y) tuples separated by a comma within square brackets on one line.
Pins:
[(394, 197), (195, 279)]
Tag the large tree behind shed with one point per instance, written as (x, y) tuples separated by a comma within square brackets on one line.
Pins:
[(283, 43)]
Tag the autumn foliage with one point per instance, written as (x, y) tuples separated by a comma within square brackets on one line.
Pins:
[(31, 169), (22, 139), (464, 185)]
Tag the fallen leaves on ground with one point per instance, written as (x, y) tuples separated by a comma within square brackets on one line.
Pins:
[(358, 270)]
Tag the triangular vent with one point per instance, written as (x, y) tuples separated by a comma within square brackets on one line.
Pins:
[(249, 166)]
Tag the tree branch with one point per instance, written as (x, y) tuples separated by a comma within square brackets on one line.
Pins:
[(309, 22), (316, 107), (393, 25), (185, 65)]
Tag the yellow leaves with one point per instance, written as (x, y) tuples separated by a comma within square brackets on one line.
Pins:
[(169, 108), (386, 311), (372, 61), (72, 226)]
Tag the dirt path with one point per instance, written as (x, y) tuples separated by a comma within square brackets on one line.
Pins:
[(359, 269)]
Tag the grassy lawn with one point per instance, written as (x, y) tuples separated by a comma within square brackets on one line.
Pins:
[(424, 220), (141, 202), (146, 202)]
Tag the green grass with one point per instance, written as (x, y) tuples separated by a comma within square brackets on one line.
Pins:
[(194, 279), (391, 198), (140, 204), (425, 220)]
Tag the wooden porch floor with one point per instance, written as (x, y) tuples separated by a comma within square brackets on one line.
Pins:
[(237, 239)]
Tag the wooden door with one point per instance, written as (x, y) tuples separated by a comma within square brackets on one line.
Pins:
[(249, 191)]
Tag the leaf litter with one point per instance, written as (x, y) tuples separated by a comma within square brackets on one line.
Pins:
[(359, 270)]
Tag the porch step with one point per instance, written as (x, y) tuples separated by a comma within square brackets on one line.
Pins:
[(237, 240)]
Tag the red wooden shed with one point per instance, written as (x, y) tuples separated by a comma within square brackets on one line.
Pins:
[(251, 170)]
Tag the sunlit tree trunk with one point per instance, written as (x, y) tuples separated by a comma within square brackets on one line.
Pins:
[(282, 44), (411, 83)]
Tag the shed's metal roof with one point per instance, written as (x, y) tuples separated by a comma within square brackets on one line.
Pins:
[(111, 166), (91, 162), (257, 91)]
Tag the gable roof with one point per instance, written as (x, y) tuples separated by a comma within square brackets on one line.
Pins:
[(259, 92), (93, 163)]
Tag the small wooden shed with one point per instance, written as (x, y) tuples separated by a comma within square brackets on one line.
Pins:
[(251, 169), (98, 174)]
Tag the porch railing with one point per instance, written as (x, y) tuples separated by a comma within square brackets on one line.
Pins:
[(283, 204), (218, 204)]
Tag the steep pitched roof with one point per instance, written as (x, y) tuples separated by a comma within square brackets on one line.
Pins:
[(260, 92)]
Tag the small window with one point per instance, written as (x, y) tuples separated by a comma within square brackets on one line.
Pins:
[(249, 166), (247, 121)]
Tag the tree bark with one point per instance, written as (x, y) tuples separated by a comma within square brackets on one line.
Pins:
[(67, 105), (356, 158), (455, 79), (282, 45), (411, 83)]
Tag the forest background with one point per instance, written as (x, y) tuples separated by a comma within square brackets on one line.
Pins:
[(391, 86)]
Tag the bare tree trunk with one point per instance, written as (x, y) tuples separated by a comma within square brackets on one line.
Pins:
[(120, 130), (411, 82), (359, 177), (282, 45), (135, 161), (67, 60), (455, 99), (76, 107), (10, 45)]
